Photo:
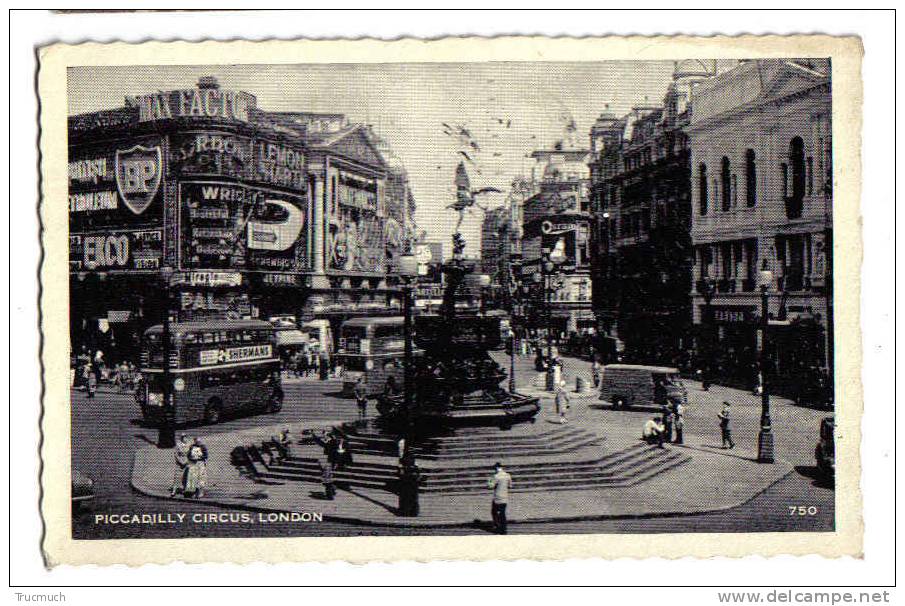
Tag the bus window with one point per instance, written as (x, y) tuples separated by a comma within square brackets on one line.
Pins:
[(387, 331), (208, 337), (356, 363), (355, 332), (190, 338)]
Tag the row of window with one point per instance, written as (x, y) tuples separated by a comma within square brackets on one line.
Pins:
[(798, 259), (727, 185), (219, 337), (798, 175), (258, 374)]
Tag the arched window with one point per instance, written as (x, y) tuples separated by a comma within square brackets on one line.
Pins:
[(726, 184), (798, 178), (750, 178), (702, 186)]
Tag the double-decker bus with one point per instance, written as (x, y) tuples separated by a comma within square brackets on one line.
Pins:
[(373, 349), (217, 368)]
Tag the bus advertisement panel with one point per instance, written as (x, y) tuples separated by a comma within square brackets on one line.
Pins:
[(217, 368)]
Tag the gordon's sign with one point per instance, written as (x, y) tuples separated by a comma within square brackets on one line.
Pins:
[(231, 355)]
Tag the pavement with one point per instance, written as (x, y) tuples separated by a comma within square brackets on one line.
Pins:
[(711, 480)]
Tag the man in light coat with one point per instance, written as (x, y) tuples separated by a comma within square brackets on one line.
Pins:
[(500, 484)]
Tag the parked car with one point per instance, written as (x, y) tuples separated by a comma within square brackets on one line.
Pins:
[(628, 385), (82, 490), (825, 453)]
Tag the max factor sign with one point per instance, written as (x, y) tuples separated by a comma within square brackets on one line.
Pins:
[(196, 102)]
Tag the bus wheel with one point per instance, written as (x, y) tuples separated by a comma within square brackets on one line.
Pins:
[(212, 411), (276, 401)]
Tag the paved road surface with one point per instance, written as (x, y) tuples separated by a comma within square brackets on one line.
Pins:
[(107, 430)]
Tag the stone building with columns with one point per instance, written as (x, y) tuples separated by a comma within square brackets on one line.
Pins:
[(762, 198)]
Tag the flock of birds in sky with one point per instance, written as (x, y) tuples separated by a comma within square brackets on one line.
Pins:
[(475, 156)]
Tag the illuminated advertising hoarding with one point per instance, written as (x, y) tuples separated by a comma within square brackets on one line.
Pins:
[(210, 153), (230, 226), (133, 250), (116, 185)]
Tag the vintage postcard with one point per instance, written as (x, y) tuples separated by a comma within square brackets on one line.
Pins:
[(454, 299)]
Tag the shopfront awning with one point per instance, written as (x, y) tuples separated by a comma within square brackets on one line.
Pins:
[(290, 338)]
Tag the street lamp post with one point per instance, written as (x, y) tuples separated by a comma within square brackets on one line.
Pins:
[(513, 308), (707, 288), (765, 436), (409, 475), (548, 267), (166, 432)]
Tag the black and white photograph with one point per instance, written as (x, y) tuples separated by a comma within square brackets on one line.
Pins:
[(328, 300), (471, 299)]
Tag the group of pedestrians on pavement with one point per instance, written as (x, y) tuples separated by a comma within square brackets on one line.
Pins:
[(660, 429), (190, 473), (668, 427)]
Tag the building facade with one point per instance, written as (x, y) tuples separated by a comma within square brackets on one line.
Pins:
[(641, 201), (250, 213), (556, 225), (496, 245), (762, 193)]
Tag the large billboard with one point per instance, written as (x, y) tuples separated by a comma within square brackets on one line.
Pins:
[(232, 226), (116, 205), (116, 185)]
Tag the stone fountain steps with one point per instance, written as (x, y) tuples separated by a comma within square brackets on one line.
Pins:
[(560, 441), (622, 468)]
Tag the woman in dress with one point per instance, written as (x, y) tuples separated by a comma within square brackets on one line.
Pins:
[(195, 475)]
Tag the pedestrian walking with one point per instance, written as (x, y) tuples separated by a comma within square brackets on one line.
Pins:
[(679, 422), (324, 365), (724, 426), (595, 373), (283, 444), (562, 402), (361, 397), (500, 484), (409, 479), (181, 459), (90, 380), (327, 479)]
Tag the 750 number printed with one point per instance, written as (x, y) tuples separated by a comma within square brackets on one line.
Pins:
[(803, 510)]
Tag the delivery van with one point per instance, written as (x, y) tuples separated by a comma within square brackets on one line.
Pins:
[(631, 385)]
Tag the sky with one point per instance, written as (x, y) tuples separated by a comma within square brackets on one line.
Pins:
[(508, 109)]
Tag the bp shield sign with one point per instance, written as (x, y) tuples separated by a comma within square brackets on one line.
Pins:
[(138, 173)]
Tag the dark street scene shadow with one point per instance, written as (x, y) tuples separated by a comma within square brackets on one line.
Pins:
[(812, 472)]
